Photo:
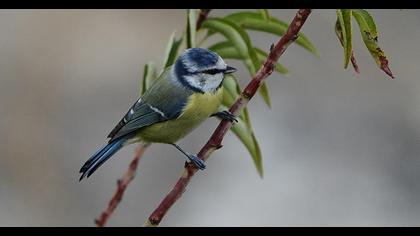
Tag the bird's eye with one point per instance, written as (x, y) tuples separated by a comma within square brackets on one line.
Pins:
[(211, 71)]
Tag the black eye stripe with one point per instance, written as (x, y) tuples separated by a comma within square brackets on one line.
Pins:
[(211, 71)]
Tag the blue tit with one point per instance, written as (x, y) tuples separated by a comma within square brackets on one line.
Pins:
[(184, 95)]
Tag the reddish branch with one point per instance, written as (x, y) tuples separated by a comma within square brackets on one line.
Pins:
[(215, 141), (121, 186)]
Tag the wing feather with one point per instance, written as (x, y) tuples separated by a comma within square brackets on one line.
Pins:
[(145, 117), (162, 101)]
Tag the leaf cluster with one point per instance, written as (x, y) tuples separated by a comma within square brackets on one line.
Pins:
[(236, 44)]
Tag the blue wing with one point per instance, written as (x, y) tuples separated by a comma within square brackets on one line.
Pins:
[(163, 101)]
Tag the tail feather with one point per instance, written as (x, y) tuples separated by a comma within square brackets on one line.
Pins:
[(102, 155)]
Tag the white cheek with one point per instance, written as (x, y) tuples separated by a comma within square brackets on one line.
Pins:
[(205, 82), (212, 82), (194, 81)]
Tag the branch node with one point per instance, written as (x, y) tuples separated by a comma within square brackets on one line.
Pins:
[(271, 47), (119, 183), (247, 95)]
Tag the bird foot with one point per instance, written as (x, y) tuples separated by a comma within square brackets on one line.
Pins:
[(197, 162), (226, 115)]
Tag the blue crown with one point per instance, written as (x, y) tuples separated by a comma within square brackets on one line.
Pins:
[(202, 57), (194, 59)]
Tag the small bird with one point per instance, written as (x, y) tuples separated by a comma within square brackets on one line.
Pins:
[(184, 95)]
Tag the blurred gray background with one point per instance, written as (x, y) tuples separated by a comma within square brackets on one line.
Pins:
[(339, 149)]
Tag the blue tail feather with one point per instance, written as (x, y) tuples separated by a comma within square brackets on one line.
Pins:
[(100, 156)]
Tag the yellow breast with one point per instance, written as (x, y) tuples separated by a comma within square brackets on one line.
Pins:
[(199, 107)]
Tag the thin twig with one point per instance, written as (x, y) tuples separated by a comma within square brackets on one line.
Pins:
[(202, 17), (121, 186), (215, 140)]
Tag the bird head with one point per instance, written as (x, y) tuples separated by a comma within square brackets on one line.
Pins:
[(201, 70)]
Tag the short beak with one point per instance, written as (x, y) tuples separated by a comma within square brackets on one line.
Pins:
[(229, 70)]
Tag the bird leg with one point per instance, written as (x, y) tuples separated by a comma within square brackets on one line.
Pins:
[(225, 115), (193, 158)]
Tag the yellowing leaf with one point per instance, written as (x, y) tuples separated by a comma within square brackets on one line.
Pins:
[(370, 38), (339, 33), (344, 26)]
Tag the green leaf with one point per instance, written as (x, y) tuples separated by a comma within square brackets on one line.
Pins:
[(247, 137), (171, 52), (149, 74), (226, 50), (191, 30), (235, 35), (264, 14), (231, 92), (241, 41), (339, 33), (263, 90), (344, 26), (255, 21), (242, 129), (370, 34)]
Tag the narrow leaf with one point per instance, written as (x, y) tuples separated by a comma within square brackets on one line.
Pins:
[(264, 14), (226, 50), (191, 28), (235, 35), (241, 41), (171, 52), (344, 21), (243, 129), (149, 74), (255, 21), (231, 92), (369, 33), (247, 137), (339, 33)]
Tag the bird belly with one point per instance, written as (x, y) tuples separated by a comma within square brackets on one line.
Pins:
[(199, 107)]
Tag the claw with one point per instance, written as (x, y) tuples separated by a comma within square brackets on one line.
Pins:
[(197, 162), (226, 115)]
